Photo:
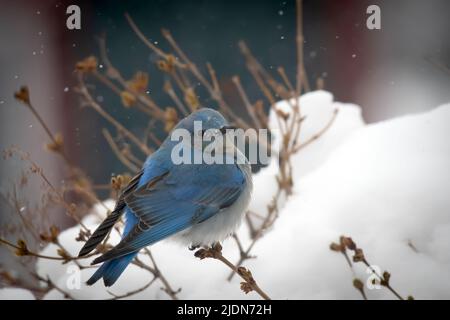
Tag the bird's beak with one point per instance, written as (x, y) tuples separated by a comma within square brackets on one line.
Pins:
[(224, 129)]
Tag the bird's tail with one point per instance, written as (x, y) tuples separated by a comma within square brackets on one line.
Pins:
[(111, 270)]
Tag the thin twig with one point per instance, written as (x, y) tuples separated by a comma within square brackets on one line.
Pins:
[(117, 151), (386, 283), (45, 127), (172, 94), (167, 287), (359, 256), (139, 104), (246, 101), (249, 283), (286, 79), (153, 47), (17, 209), (215, 93), (212, 74), (52, 285), (257, 234), (299, 41), (24, 251), (85, 92), (143, 101), (131, 293), (318, 134)]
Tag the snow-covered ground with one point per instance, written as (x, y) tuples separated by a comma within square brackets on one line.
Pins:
[(385, 185), (15, 294)]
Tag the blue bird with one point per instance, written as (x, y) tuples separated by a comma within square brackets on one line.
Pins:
[(198, 204)]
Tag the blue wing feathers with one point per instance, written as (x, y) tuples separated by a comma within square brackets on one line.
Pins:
[(184, 195)]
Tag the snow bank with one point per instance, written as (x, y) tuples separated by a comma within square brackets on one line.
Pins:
[(384, 184), (318, 108)]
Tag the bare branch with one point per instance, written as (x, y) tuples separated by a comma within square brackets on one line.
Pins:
[(85, 92), (118, 152), (249, 283)]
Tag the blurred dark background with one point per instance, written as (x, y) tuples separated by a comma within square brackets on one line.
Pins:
[(389, 72)]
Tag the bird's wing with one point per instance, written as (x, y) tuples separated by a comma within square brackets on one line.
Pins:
[(178, 199), (103, 229)]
